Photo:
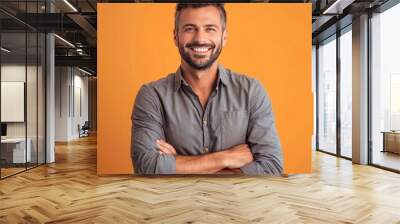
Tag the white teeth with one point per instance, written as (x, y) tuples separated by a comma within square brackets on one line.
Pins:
[(200, 49)]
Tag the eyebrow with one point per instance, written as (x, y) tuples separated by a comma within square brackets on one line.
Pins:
[(211, 25), (194, 25)]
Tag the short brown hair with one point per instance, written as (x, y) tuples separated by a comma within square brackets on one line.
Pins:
[(219, 6)]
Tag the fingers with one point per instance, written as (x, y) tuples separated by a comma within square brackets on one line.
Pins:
[(236, 170), (164, 147), (240, 155), (165, 144), (229, 171), (241, 147), (163, 150), (250, 157)]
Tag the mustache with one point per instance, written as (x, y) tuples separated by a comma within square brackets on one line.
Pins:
[(197, 44)]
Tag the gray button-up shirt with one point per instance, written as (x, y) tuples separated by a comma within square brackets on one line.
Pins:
[(238, 111)]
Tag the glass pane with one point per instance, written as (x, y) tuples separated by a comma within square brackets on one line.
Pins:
[(13, 88), (386, 89), (22, 88), (41, 98), (314, 78), (31, 84), (327, 96), (31, 100), (346, 94)]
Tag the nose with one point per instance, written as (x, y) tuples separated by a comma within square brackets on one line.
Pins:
[(200, 37)]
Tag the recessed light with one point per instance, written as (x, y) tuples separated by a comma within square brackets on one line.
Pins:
[(71, 6), (84, 71), (64, 40), (5, 50)]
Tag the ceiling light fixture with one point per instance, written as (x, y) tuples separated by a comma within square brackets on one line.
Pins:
[(70, 5), (5, 50), (337, 7), (64, 40), (84, 71)]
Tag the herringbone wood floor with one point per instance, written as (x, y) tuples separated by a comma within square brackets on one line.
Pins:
[(69, 191)]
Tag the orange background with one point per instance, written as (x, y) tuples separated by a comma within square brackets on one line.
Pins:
[(271, 42)]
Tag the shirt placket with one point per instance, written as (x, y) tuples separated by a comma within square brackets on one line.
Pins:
[(205, 122), (204, 117), (206, 134), (204, 114)]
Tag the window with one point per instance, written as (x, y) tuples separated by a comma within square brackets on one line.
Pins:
[(385, 88), (346, 93), (327, 95)]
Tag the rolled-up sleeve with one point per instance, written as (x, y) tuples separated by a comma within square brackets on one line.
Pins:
[(147, 127), (262, 136)]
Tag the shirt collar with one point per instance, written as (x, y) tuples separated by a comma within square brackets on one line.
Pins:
[(222, 77)]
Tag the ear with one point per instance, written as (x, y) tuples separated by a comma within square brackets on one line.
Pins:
[(175, 33), (224, 37)]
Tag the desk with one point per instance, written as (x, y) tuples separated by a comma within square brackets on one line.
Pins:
[(13, 150), (391, 141)]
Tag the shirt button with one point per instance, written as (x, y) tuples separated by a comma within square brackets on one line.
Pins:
[(205, 121), (205, 150)]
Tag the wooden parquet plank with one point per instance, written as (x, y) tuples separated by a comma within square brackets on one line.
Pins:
[(69, 191)]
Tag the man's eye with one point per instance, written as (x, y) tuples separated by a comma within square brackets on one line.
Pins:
[(211, 29), (189, 29)]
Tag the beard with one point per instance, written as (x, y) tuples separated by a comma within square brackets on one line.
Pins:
[(200, 64)]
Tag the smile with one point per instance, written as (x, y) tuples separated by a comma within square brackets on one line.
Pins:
[(200, 49)]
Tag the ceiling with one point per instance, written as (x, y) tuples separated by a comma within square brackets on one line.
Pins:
[(76, 22)]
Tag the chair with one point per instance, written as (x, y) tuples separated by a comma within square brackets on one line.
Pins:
[(84, 130)]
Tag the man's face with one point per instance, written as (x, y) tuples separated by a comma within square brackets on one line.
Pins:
[(200, 36)]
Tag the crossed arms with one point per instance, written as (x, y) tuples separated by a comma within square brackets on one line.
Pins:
[(226, 161), (261, 154)]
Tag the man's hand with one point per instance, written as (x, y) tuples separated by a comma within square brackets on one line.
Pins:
[(232, 159), (229, 171), (164, 147), (237, 156)]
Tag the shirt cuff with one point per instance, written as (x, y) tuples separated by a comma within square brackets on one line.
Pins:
[(166, 164), (250, 169)]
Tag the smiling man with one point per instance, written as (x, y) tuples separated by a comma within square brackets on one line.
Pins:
[(204, 118)]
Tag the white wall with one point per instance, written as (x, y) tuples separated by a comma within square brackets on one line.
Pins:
[(33, 127), (70, 94), (61, 103), (16, 73), (80, 84)]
